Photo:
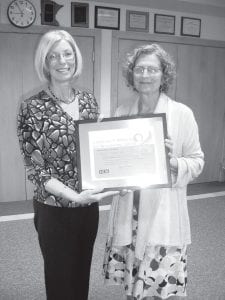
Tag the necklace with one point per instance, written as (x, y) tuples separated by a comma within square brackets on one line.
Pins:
[(60, 100)]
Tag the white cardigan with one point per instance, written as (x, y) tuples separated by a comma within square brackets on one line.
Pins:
[(163, 214)]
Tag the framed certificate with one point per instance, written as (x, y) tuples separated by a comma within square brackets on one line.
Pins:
[(137, 21), (164, 24), (124, 152), (107, 17), (190, 26)]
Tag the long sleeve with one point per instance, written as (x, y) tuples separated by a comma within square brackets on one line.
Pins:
[(48, 142), (191, 160), (31, 145), (163, 213)]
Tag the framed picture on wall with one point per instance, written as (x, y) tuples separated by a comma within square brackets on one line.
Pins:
[(164, 24), (79, 14), (49, 10), (137, 21), (190, 26), (107, 17)]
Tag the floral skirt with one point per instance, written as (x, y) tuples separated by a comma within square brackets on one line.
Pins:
[(161, 273)]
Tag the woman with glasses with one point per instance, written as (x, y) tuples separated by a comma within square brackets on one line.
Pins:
[(66, 221), (149, 230)]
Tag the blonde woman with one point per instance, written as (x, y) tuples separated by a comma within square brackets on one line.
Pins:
[(66, 221)]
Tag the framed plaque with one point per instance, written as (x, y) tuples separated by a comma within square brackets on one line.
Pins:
[(107, 17), (79, 14), (190, 26), (137, 21), (124, 152), (164, 24), (49, 9)]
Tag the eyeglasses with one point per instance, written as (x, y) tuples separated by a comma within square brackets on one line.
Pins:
[(54, 57), (139, 70)]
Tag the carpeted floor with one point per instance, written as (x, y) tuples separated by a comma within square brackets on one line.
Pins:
[(21, 267), (206, 255)]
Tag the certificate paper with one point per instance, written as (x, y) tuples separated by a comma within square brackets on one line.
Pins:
[(123, 152), (118, 152)]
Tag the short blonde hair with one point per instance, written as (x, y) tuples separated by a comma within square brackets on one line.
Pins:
[(46, 42), (166, 62)]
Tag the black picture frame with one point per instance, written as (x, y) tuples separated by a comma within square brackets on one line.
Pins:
[(107, 17), (137, 21), (190, 27), (164, 24), (49, 10), (123, 152), (79, 14)]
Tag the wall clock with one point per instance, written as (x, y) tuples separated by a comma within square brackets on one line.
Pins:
[(21, 13)]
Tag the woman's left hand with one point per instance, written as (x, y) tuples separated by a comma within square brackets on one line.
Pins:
[(173, 159)]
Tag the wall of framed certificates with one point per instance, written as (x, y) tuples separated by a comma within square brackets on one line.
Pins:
[(115, 15)]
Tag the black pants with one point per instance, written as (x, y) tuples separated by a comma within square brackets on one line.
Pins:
[(66, 237)]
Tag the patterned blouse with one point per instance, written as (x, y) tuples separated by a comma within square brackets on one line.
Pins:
[(48, 141)]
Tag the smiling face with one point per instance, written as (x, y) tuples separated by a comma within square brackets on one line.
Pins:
[(147, 74), (61, 62)]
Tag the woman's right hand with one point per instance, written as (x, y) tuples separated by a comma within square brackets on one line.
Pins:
[(95, 195)]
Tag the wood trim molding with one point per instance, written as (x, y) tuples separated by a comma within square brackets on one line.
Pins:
[(39, 29), (168, 39)]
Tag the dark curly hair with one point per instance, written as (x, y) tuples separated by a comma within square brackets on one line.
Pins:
[(167, 65)]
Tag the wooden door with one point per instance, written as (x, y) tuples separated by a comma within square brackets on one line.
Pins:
[(200, 85), (12, 174), (19, 81)]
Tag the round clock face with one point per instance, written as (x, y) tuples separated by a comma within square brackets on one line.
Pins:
[(21, 13)]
